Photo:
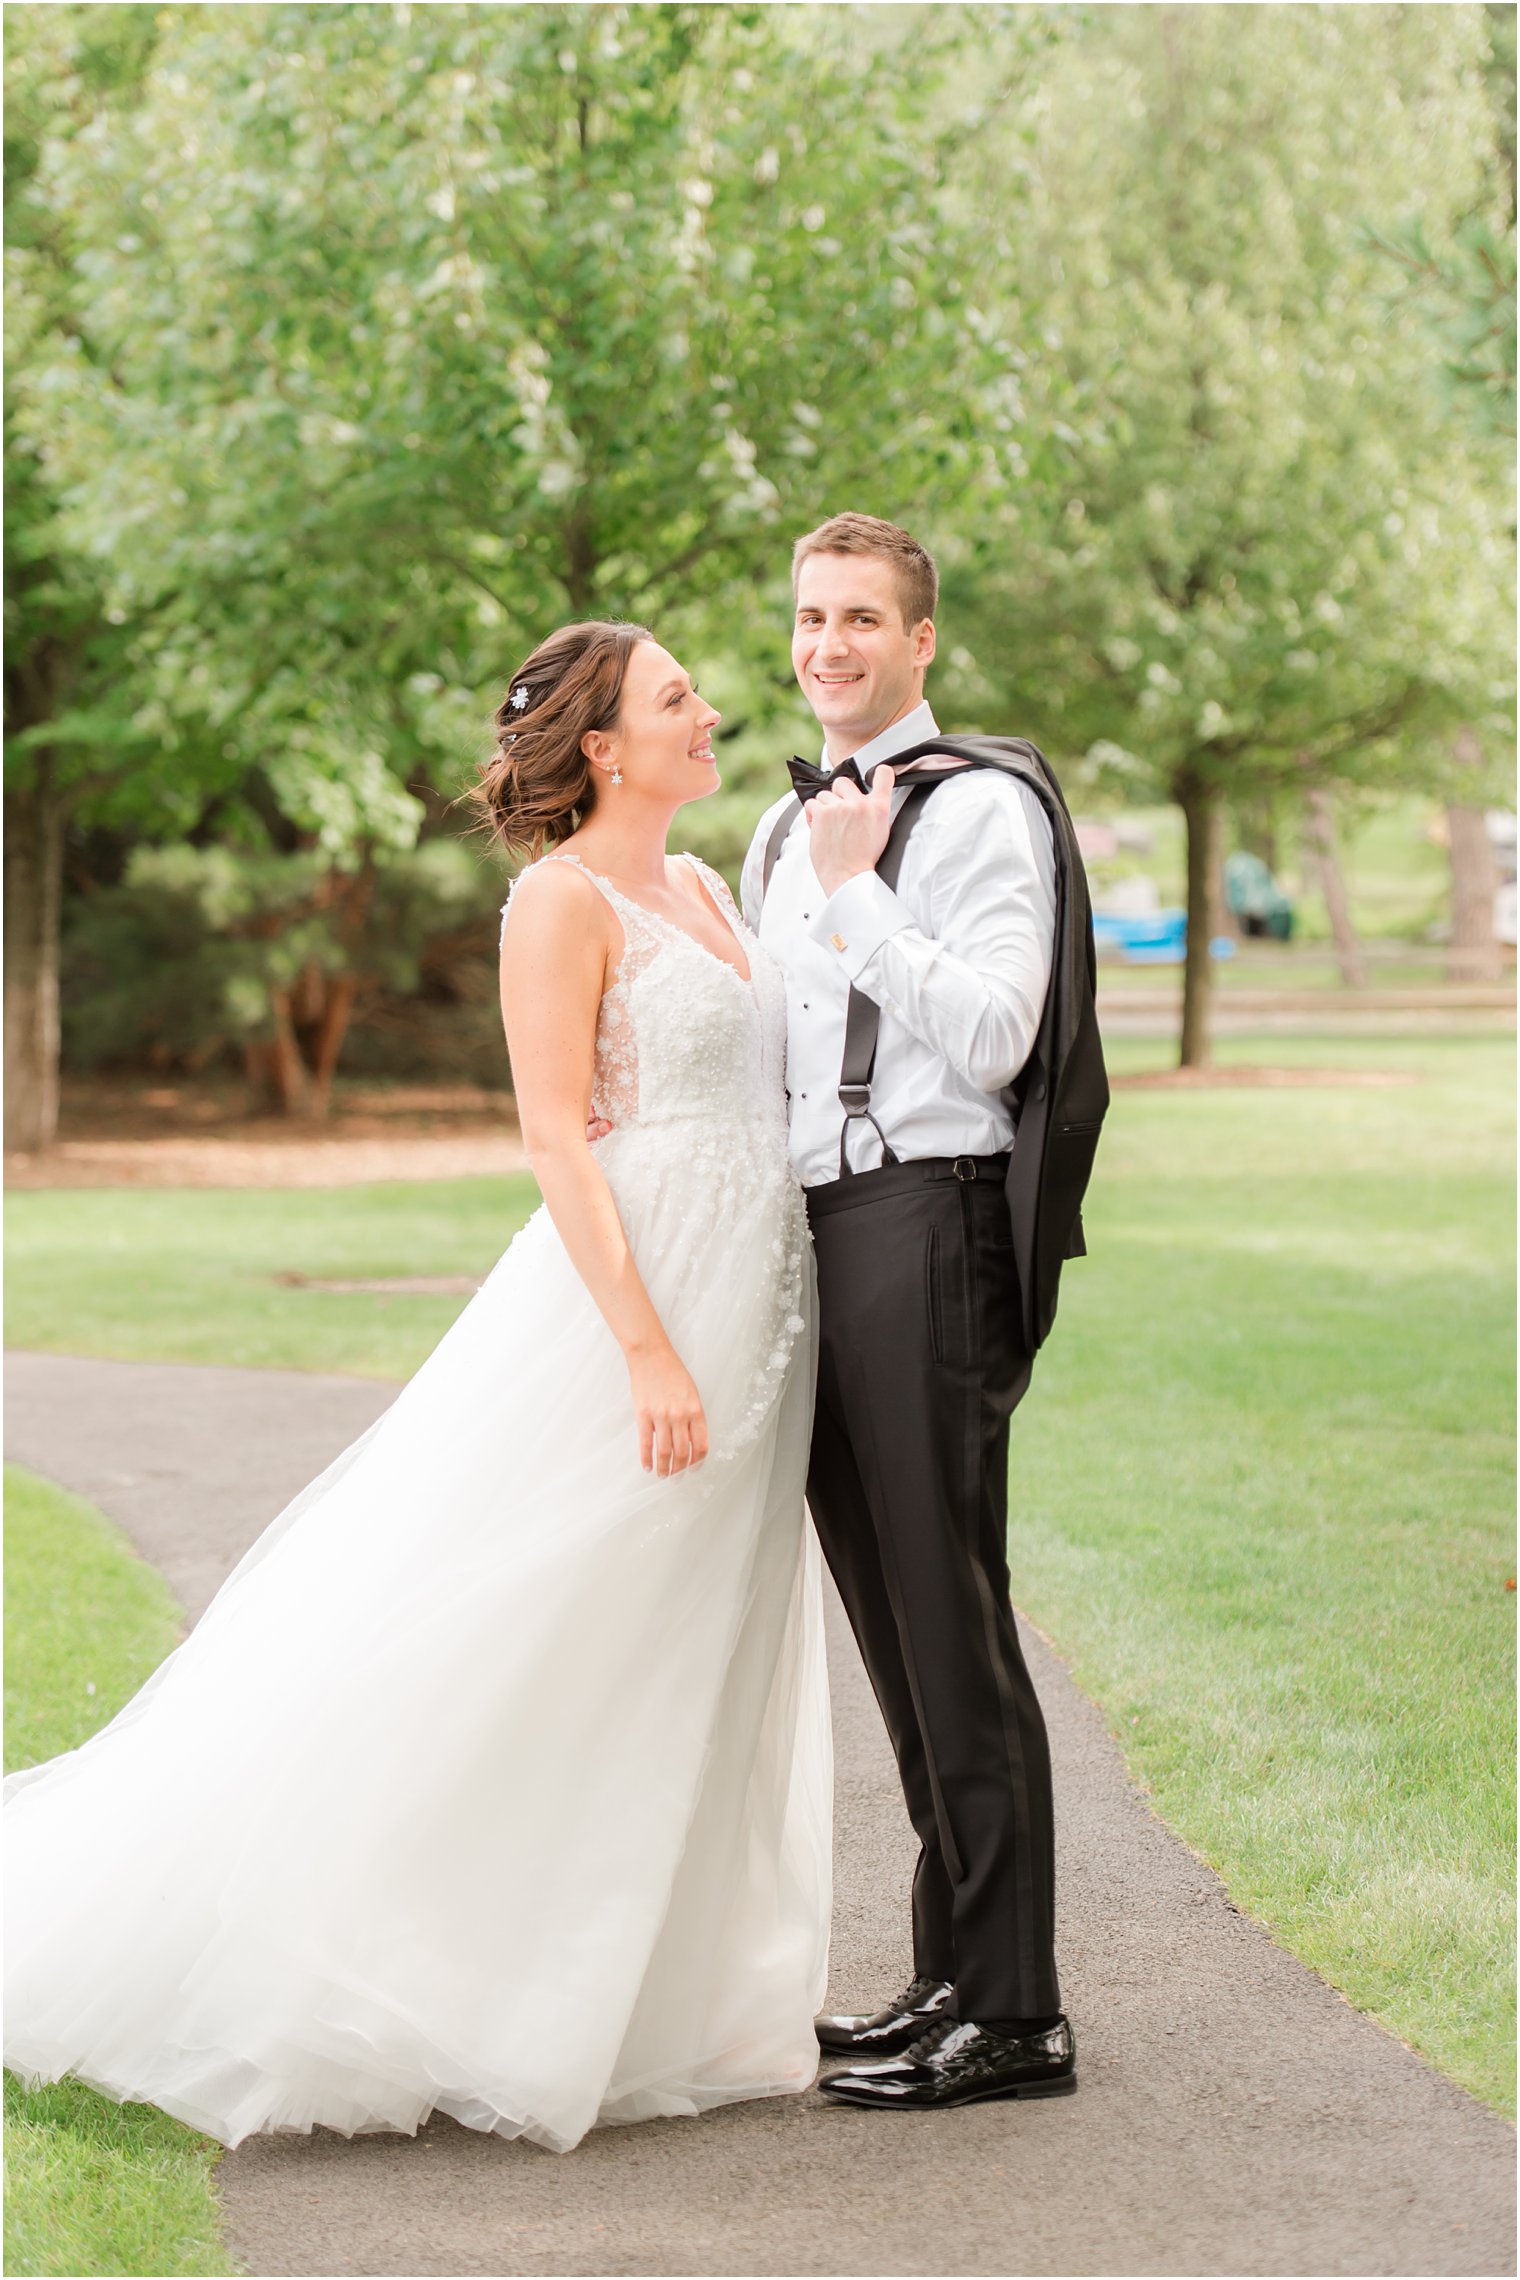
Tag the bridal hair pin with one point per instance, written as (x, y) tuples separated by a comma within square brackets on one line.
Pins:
[(520, 697)]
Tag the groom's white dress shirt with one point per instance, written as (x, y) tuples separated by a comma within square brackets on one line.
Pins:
[(958, 958)]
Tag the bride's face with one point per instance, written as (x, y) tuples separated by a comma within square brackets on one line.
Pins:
[(663, 739)]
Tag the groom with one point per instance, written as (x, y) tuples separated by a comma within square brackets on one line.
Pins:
[(922, 1358)]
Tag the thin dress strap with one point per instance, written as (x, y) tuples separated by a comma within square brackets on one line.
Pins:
[(615, 1074), (621, 903), (643, 930), (718, 887)]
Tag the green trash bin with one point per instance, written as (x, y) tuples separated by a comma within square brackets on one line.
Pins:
[(1255, 898)]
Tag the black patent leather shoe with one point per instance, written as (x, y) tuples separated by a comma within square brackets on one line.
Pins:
[(955, 2063), (887, 2032)]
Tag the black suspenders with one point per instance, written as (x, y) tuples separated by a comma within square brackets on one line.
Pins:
[(780, 833), (862, 1021)]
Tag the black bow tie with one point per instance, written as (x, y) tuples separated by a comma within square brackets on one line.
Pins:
[(808, 781)]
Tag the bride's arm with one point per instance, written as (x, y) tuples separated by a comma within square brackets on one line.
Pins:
[(554, 956)]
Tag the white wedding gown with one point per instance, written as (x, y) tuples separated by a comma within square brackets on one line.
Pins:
[(495, 1781)]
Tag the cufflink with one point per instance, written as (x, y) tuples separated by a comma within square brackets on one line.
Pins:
[(839, 942)]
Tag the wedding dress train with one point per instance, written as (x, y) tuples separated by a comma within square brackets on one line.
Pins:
[(495, 1781)]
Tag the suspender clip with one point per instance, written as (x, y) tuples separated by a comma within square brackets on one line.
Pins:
[(855, 1100)]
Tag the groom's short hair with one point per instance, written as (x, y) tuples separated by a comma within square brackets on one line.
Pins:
[(913, 570)]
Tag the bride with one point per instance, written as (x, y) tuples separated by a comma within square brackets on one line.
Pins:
[(495, 1781)]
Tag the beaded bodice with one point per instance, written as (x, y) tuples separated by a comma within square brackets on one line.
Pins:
[(681, 1033), (689, 1071)]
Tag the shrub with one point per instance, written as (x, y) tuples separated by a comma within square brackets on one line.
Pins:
[(201, 953)]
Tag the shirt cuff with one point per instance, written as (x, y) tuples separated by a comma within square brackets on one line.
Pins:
[(857, 920)]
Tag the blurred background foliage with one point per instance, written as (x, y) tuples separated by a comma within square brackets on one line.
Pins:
[(351, 348)]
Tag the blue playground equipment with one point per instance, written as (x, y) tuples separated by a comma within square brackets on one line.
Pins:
[(1157, 939)]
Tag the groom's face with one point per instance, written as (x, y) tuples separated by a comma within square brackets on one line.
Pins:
[(859, 666)]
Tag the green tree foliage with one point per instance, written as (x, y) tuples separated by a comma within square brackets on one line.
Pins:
[(1273, 557), (71, 693), (354, 346), (1466, 292), (1463, 285), (425, 329), (68, 653), (399, 335)]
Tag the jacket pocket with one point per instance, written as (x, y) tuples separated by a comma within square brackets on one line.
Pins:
[(932, 1300)]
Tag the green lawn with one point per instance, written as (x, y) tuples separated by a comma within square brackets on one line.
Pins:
[(90, 2187), (1263, 1491), (1288, 967), (1263, 1484), (192, 1275)]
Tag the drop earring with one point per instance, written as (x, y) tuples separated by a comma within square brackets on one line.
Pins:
[(617, 773)]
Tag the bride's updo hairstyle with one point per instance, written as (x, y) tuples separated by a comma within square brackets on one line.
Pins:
[(538, 785)]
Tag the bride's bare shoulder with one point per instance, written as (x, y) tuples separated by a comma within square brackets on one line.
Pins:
[(553, 904), (553, 883)]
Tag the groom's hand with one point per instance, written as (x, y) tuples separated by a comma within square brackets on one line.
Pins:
[(849, 829)]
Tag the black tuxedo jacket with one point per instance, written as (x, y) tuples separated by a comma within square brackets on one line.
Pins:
[(1059, 1098)]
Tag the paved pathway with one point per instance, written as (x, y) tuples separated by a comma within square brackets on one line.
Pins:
[(1235, 2115)]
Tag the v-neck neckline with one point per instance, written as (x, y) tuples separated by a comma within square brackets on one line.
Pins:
[(745, 980)]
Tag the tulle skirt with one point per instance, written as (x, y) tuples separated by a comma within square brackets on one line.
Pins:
[(495, 1781)]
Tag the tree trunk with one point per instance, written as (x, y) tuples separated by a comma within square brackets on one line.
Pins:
[(580, 564), (1320, 825), (275, 1065), (1475, 955), (328, 1043), (1256, 828), (294, 1069), (1201, 813), (34, 818)]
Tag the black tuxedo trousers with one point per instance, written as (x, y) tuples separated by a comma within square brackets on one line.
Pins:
[(921, 1363)]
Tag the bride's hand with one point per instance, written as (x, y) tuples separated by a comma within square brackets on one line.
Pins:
[(672, 1426)]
